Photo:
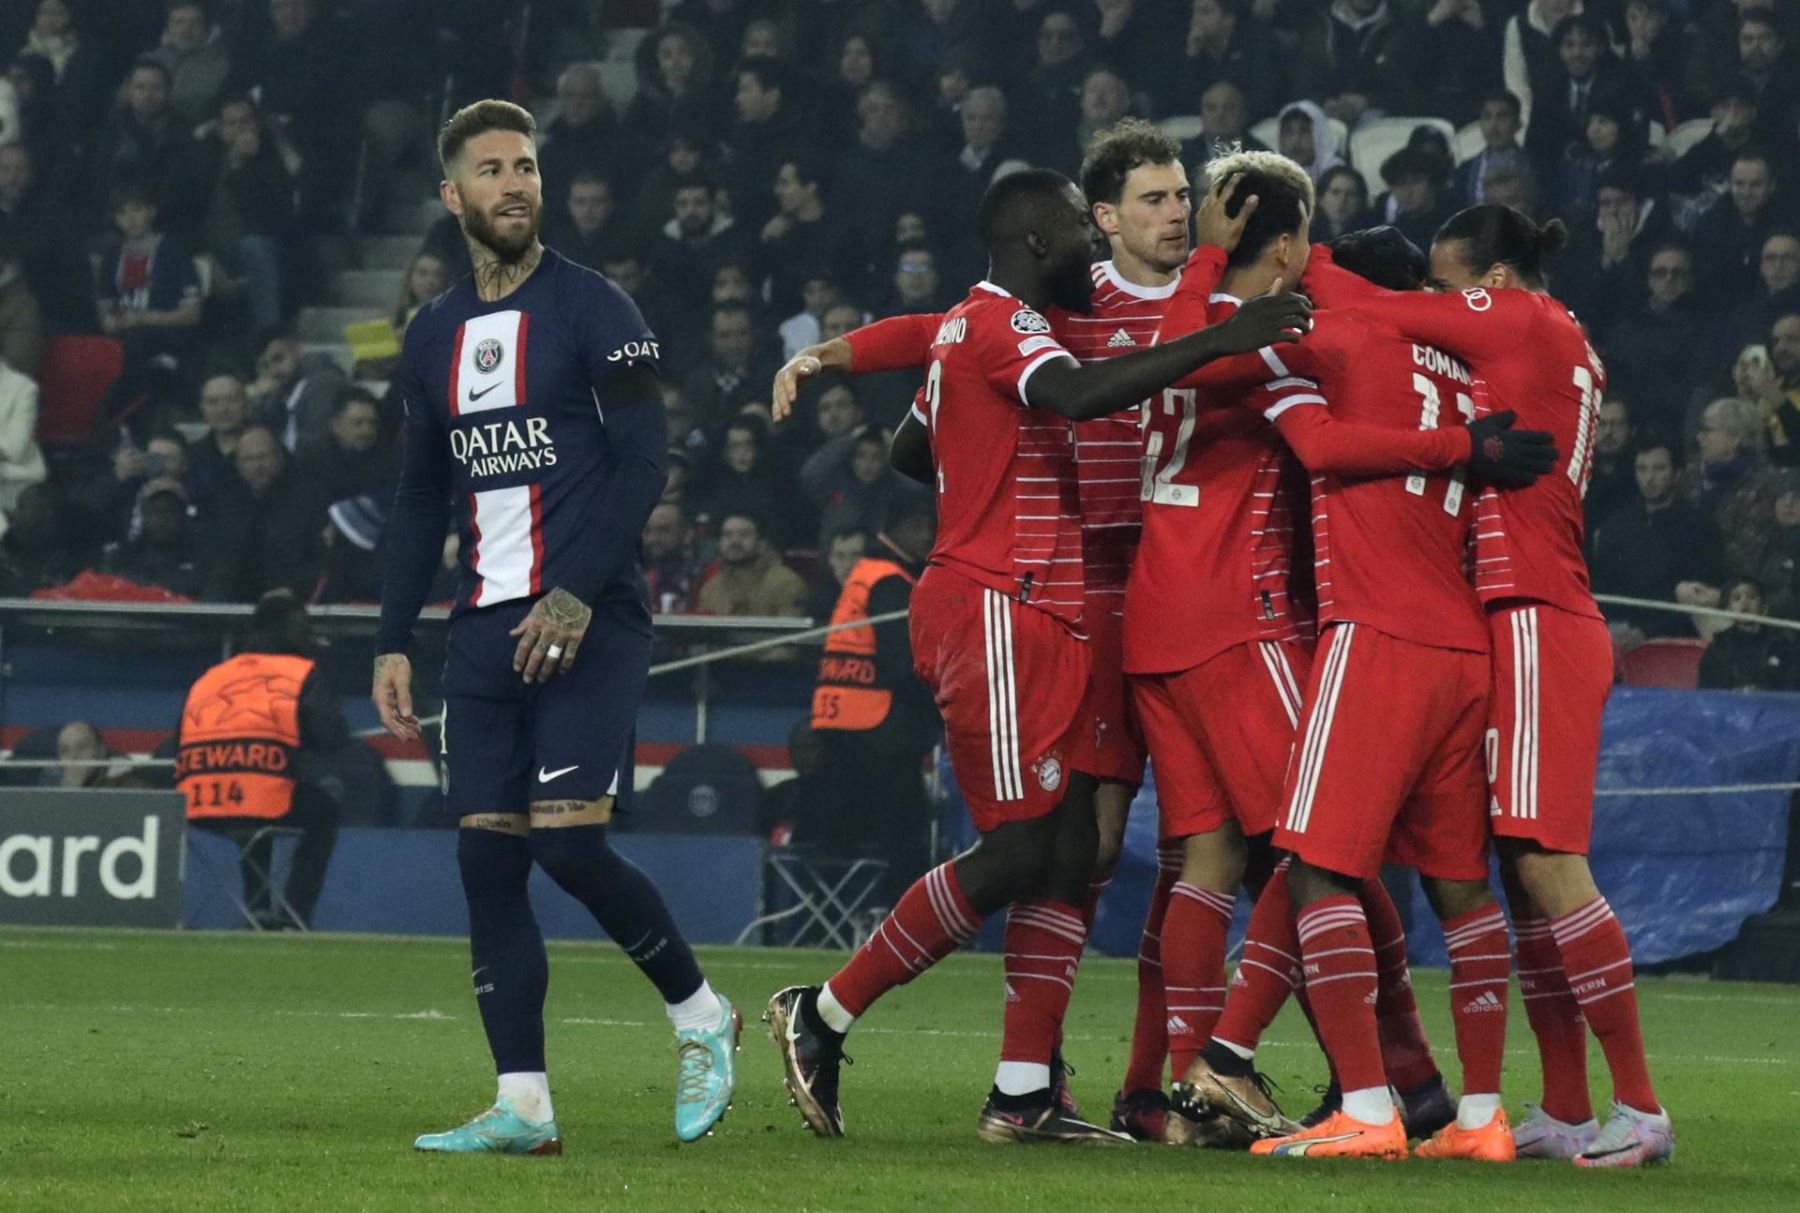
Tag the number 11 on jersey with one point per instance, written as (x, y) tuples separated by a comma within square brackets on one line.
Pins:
[(1430, 406)]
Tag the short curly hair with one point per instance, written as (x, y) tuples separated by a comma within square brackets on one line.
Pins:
[(1285, 198), (1113, 152)]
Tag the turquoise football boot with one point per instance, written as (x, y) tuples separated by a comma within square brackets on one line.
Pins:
[(708, 1073), (499, 1130)]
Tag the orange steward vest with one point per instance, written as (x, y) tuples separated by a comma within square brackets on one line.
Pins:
[(849, 694), (240, 732)]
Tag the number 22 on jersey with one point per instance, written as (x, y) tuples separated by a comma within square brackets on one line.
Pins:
[(1158, 475)]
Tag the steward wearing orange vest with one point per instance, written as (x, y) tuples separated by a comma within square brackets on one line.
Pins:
[(246, 729), (874, 719)]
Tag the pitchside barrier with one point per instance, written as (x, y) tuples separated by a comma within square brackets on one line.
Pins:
[(1693, 799)]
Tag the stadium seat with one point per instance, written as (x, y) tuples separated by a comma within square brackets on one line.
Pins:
[(829, 895), (73, 381), (1682, 139), (1183, 126), (1375, 141), (250, 843), (1671, 662)]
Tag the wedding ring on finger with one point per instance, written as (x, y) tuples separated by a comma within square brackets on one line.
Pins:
[(554, 650)]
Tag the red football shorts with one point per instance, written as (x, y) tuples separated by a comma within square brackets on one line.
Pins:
[(1552, 673), (1219, 735), (1107, 744), (996, 668), (1387, 763)]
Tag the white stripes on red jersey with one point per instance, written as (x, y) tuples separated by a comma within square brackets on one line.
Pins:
[(1328, 917), (1003, 699), (1286, 389), (487, 372), (1287, 687), (1318, 730), (1523, 785)]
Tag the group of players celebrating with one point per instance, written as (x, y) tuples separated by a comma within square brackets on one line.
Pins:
[(1269, 505)]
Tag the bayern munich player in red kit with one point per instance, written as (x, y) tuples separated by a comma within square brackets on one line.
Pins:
[(997, 620), (1552, 670)]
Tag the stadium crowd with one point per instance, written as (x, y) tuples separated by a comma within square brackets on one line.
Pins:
[(760, 174)]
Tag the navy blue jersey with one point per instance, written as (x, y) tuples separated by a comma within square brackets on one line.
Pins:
[(507, 429)]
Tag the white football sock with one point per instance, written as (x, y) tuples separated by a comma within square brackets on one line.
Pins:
[(832, 1011), (529, 1094), (1021, 1077), (699, 1010), (1473, 1111), (1371, 1105), (1240, 1050)]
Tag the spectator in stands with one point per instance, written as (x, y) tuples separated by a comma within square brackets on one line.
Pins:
[(39, 547), (742, 481), (80, 92), (675, 75), (250, 223), (147, 144), (819, 293), (750, 579), (1529, 58), (1610, 144), (1608, 262), (1306, 137), (1224, 42), (88, 762), (21, 462), (1648, 547), (1363, 49), (352, 461), (855, 60), (55, 265), (1103, 99), (1500, 148), (670, 567), (1730, 235), (1777, 291), (735, 371), (1612, 481), (917, 285), (1134, 34), (211, 457), (1746, 656), (147, 294), (305, 79), (165, 551), (1773, 383), (1651, 348), (842, 550), (1418, 200), (804, 236), (1763, 60), (851, 483), (692, 242), (587, 231), (1705, 169), (425, 278), (293, 394), (1053, 85), (112, 496), (884, 174), (41, 132), (987, 150), (584, 136), (198, 63), (1732, 482), (1656, 55), (768, 133), (1586, 72), (21, 319), (683, 155), (721, 22), (1516, 188), (1453, 31), (266, 529), (1223, 122), (1343, 204), (1780, 572)]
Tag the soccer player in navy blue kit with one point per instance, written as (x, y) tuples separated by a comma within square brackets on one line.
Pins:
[(534, 417)]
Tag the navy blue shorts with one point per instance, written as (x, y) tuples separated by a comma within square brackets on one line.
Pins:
[(506, 744)]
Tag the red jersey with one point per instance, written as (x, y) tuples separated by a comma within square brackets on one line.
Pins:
[(1125, 317), (1529, 355), (1220, 493), (1388, 551), (1008, 513)]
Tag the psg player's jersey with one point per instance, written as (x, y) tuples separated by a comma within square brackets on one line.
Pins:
[(506, 418)]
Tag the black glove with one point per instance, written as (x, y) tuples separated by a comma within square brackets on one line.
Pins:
[(1507, 458)]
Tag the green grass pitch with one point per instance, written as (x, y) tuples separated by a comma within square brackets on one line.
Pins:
[(214, 1071)]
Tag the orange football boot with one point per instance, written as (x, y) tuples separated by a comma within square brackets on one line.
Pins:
[(1340, 1136), (1492, 1142)]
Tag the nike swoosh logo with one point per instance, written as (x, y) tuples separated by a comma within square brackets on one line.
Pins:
[(546, 776), (475, 395)]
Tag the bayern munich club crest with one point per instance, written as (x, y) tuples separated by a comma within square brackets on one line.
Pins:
[(1049, 770), (488, 354)]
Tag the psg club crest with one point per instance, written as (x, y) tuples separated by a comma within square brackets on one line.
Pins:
[(488, 355)]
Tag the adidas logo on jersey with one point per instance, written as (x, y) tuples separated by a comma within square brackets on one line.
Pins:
[(1120, 340), (1489, 1001), (1177, 1025)]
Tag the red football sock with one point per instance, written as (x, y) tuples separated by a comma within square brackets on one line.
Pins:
[(1597, 960), (1149, 1031), (1194, 968), (1096, 890), (1480, 963), (1044, 939), (932, 920), (1341, 987), (1555, 1020), (1269, 972), (1404, 1048)]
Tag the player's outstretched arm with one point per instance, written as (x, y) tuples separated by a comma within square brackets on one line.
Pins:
[(1472, 325), (895, 344), (1083, 390), (1496, 453), (910, 454)]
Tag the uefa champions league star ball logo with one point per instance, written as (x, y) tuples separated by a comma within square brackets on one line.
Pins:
[(488, 355)]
